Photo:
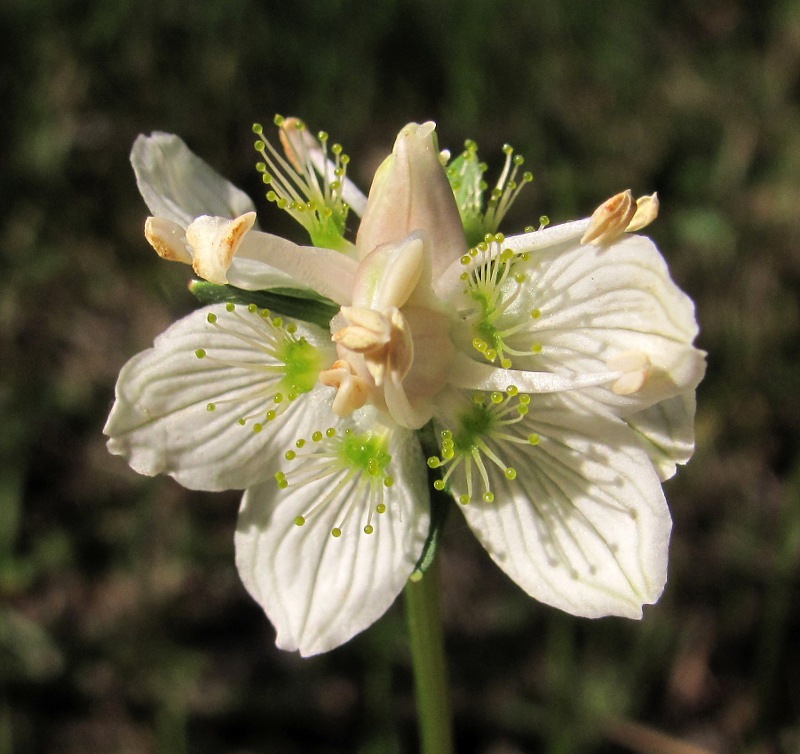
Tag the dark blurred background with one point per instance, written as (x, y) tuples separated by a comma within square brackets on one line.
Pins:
[(123, 625)]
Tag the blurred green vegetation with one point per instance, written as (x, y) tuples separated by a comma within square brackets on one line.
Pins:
[(123, 626)]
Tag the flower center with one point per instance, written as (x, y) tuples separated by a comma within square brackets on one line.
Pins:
[(465, 448), (493, 286), (288, 365), (353, 464)]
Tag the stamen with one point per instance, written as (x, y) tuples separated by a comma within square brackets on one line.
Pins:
[(646, 212), (466, 176), (352, 392), (494, 286), (506, 190), (635, 367), (289, 366), (311, 193), (611, 219), (487, 416), (354, 465)]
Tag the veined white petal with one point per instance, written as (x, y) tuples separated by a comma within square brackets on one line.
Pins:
[(552, 235), (161, 422), (475, 375), (666, 431), (597, 303), (321, 590), (577, 310), (176, 184), (584, 525)]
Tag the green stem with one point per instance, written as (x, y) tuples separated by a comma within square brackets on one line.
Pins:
[(428, 660)]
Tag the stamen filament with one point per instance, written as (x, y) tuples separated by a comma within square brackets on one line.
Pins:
[(304, 183), (348, 460), (289, 367)]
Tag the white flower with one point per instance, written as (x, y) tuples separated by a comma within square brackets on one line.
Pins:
[(556, 368)]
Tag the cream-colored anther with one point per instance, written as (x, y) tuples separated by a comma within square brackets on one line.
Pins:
[(646, 212), (214, 241), (397, 355), (610, 219), (168, 239), (366, 330), (634, 366), (352, 392), (297, 142)]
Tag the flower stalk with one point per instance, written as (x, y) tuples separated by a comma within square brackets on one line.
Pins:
[(426, 640)]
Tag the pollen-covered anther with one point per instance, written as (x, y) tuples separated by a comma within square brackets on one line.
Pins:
[(610, 220), (634, 367), (384, 339), (168, 239), (646, 211), (352, 392), (215, 241)]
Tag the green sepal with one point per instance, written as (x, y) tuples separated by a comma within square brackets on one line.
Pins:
[(441, 502), (465, 174), (291, 302)]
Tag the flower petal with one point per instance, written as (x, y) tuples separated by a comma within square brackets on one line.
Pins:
[(176, 184), (411, 192), (584, 526), (161, 423), (666, 431), (479, 375), (594, 305), (318, 590)]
